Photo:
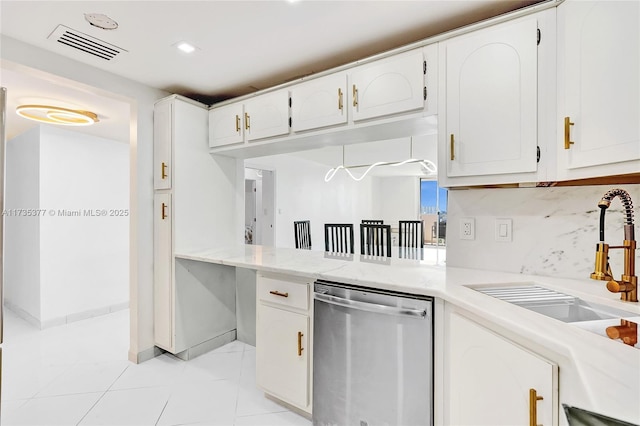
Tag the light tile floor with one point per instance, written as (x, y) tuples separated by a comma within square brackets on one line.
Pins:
[(78, 374)]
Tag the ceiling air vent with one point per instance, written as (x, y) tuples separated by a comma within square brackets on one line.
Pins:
[(85, 43)]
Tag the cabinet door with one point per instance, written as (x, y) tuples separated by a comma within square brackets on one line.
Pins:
[(388, 86), (281, 369), (599, 82), (319, 103), (491, 97), (163, 272), (162, 144), (267, 115), (225, 125), (490, 379)]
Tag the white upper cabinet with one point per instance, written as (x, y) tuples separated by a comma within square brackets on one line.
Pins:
[(598, 88), (225, 125), (388, 86), (383, 99), (267, 115), (319, 103), (260, 117), (162, 147), (491, 100)]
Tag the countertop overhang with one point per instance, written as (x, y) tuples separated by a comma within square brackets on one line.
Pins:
[(426, 277)]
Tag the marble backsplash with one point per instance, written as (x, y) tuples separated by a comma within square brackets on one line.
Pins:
[(555, 230)]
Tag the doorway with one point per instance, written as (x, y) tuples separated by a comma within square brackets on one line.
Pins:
[(90, 173), (259, 207)]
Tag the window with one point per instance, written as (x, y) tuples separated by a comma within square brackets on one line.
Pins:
[(433, 212)]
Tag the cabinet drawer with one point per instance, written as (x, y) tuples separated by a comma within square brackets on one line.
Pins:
[(285, 292)]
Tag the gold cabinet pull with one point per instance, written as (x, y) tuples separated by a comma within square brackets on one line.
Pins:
[(300, 348), (164, 213), (453, 155), (533, 407), (277, 293), (567, 133), (164, 170), (237, 123), (355, 96), (340, 99), (247, 123)]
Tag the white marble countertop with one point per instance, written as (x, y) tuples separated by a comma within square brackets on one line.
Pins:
[(597, 360)]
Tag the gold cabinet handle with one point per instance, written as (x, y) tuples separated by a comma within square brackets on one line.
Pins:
[(247, 123), (567, 133), (164, 213), (355, 96), (164, 170), (340, 99), (453, 155), (237, 123), (300, 348), (277, 293), (533, 407)]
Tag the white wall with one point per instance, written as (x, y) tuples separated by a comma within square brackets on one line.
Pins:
[(84, 260), (396, 198), (302, 194), (59, 267), (141, 98), (555, 230), (22, 234)]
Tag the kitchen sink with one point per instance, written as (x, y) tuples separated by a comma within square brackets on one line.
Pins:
[(563, 307)]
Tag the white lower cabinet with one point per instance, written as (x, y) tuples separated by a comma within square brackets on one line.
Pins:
[(283, 339), (491, 380), (282, 355)]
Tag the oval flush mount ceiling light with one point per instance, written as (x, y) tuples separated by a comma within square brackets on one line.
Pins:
[(101, 20), (57, 115)]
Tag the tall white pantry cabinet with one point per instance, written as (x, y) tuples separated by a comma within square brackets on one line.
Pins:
[(189, 187)]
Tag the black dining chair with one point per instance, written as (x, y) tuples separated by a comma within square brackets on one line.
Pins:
[(410, 234), (302, 234), (338, 237), (372, 222), (375, 239)]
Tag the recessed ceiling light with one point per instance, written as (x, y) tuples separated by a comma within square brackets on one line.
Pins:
[(186, 47)]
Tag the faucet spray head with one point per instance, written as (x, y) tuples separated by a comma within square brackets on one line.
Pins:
[(602, 270)]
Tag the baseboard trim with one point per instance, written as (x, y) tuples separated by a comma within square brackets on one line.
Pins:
[(145, 355), (22, 313), (54, 322), (290, 407)]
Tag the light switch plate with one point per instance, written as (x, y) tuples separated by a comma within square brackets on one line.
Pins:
[(504, 230), (467, 228)]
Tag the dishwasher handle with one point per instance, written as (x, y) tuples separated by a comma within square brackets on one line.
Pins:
[(371, 307)]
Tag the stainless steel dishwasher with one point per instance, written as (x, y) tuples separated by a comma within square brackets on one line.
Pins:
[(372, 357)]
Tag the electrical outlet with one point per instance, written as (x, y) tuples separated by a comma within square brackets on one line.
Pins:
[(467, 228)]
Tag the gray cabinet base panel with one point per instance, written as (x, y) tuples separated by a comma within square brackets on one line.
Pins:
[(207, 346)]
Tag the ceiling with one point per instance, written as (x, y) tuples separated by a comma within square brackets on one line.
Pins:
[(242, 46)]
